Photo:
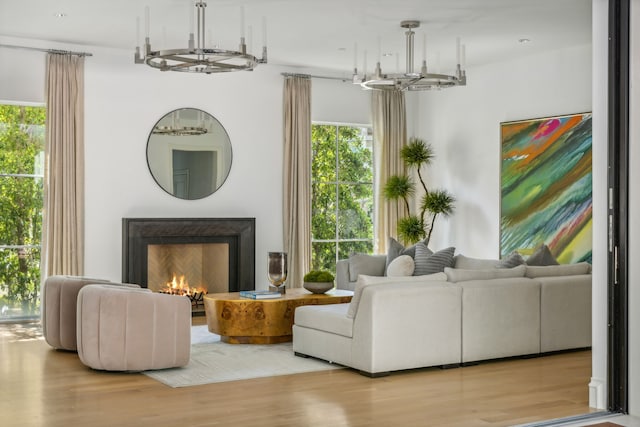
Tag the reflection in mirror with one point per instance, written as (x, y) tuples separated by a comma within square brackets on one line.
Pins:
[(189, 153)]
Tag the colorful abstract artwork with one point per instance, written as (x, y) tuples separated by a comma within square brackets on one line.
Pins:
[(546, 191)]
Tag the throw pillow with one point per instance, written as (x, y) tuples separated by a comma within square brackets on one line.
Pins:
[(542, 256), (364, 281), (514, 259), (467, 263), (395, 249), (428, 262), (461, 275), (401, 266), (558, 270), (369, 265)]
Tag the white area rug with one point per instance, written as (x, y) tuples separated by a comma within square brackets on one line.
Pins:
[(213, 361)]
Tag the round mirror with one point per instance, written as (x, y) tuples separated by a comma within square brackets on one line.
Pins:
[(189, 153)]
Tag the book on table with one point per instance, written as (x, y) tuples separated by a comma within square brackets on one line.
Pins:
[(260, 294)]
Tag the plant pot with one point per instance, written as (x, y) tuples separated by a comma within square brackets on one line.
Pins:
[(318, 287)]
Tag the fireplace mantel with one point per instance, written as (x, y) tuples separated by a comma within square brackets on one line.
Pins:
[(138, 233)]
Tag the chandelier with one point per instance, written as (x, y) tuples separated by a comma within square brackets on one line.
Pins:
[(411, 80), (196, 58)]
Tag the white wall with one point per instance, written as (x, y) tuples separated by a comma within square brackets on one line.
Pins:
[(463, 126), (22, 73), (122, 103)]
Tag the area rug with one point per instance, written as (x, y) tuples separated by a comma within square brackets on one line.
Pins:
[(213, 361)]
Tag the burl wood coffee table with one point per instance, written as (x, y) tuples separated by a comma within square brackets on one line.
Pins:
[(268, 321)]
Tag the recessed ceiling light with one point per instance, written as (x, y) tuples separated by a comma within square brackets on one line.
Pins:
[(524, 41), (60, 15)]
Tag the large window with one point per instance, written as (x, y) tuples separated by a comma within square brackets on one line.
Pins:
[(342, 185), (21, 180)]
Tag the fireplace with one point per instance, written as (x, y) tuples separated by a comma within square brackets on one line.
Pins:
[(190, 256)]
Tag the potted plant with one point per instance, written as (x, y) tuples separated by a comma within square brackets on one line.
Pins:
[(414, 228), (318, 281)]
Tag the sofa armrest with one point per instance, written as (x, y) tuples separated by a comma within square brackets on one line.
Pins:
[(407, 325), (565, 312), (342, 274)]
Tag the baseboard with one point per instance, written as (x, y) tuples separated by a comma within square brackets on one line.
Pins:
[(598, 393)]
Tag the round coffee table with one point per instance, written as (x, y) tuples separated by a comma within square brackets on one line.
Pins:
[(247, 321)]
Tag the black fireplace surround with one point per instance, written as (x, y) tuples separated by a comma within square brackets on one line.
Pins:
[(238, 233)]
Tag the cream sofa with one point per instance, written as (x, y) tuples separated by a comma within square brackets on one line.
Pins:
[(458, 316)]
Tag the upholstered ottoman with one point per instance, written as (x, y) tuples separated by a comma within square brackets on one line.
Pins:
[(58, 308), (125, 329)]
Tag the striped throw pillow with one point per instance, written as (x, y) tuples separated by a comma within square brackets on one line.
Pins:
[(427, 262)]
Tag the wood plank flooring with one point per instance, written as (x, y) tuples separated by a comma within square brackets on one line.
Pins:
[(40, 386)]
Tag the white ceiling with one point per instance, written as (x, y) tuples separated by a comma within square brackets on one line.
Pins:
[(315, 34)]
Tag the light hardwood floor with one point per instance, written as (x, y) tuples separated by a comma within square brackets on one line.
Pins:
[(40, 386)]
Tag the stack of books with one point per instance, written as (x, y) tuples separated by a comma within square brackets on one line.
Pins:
[(260, 294)]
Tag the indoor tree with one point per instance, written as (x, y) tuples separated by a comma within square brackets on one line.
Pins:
[(400, 188)]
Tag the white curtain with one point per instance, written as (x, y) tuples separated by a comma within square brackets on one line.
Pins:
[(297, 176), (390, 134), (63, 221)]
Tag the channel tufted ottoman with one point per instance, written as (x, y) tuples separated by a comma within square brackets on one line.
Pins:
[(59, 298), (126, 329)]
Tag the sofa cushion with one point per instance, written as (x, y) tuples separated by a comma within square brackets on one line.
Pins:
[(364, 281), (461, 275), (514, 259), (558, 270), (427, 262), (330, 318), (401, 266), (395, 249), (468, 263), (369, 265), (542, 256)]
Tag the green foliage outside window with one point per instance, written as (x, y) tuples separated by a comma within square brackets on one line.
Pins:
[(21, 186), (342, 186)]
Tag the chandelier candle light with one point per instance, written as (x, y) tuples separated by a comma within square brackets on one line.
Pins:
[(197, 58), (411, 80)]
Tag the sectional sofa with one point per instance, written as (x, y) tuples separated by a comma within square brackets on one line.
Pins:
[(458, 316)]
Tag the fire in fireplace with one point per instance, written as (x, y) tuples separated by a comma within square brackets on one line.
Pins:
[(181, 287)]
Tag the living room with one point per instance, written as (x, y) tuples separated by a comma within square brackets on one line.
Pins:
[(123, 101)]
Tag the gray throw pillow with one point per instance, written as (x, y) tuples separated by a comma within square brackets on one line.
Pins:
[(427, 262), (542, 256), (395, 249), (514, 259), (468, 263)]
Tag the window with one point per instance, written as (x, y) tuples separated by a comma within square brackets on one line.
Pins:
[(342, 187), (21, 184)]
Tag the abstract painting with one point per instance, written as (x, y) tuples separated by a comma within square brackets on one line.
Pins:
[(545, 185)]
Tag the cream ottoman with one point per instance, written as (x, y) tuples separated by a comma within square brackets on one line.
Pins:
[(125, 329), (58, 308)]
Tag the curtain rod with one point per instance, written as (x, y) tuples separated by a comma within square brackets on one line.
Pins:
[(310, 76), (56, 51)]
